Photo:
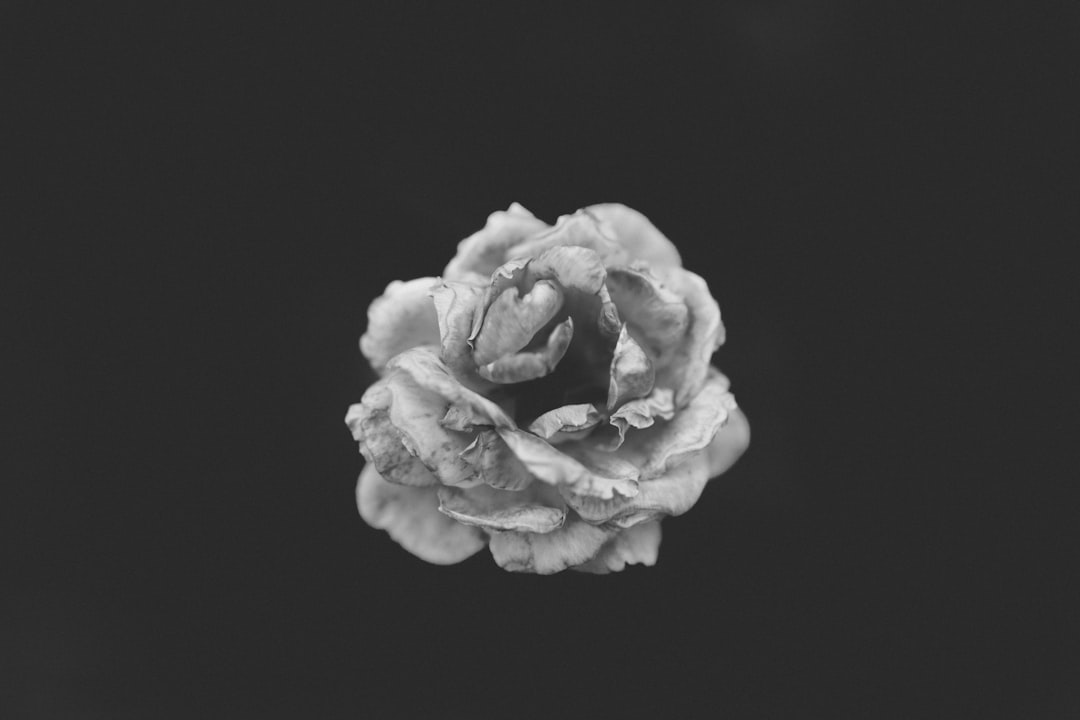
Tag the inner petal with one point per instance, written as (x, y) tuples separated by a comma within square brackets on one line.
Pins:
[(582, 375), (513, 320)]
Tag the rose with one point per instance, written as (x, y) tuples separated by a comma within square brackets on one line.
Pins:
[(551, 396)]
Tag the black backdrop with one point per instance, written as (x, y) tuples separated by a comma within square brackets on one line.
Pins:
[(212, 197)]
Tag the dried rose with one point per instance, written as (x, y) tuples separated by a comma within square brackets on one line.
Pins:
[(550, 396)]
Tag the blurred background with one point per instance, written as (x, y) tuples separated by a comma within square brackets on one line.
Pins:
[(211, 196)]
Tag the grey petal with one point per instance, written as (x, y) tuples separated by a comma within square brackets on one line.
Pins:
[(657, 315), (411, 517), (634, 232), (641, 413), (456, 304), (522, 366), (574, 268), (512, 321), (566, 422), (631, 373), (579, 229), (496, 464), (572, 544), (402, 317), (639, 544), (689, 364), (602, 475), (493, 509), (486, 249), (381, 443)]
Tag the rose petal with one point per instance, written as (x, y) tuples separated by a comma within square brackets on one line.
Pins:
[(579, 229), (572, 544), (432, 374), (574, 268), (689, 364), (486, 249), (672, 493), (729, 444), (601, 476), (511, 321), (497, 465), (640, 414), (631, 374), (416, 412), (493, 509), (566, 422), (637, 545), (635, 233), (411, 517), (509, 274), (382, 444), (657, 316), (607, 319), (523, 366), (456, 304), (656, 449), (402, 317)]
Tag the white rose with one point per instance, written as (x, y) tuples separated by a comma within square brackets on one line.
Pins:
[(550, 396)]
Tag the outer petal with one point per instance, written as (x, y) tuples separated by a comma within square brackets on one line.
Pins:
[(689, 364), (492, 509), (511, 321), (486, 249), (677, 461), (574, 268), (382, 444), (411, 516), (729, 444), (655, 314), (631, 374), (416, 413), (572, 544), (523, 366), (402, 317), (635, 233), (656, 449), (580, 229), (432, 374), (637, 545), (584, 473), (673, 493)]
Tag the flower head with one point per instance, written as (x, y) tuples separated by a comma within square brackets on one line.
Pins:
[(550, 396)]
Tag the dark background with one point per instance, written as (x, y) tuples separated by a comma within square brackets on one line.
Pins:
[(211, 197)]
